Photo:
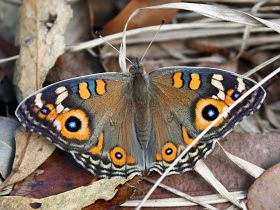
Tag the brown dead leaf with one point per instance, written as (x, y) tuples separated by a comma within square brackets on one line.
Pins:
[(31, 151), (264, 192), (56, 173), (73, 64), (146, 18), (78, 198), (41, 28)]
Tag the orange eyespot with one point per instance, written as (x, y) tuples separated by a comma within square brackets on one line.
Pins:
[(74, 124), (169, 152), (118, 156), (208, 110), (97, 149), (232, 95)]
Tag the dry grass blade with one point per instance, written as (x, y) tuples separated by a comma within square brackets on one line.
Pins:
[(177, 202), (31, 151), (41, 28), (252, 169), (183, 195), (262, 65), (71, 200), (217, 12), (4, 60), (205, 172)]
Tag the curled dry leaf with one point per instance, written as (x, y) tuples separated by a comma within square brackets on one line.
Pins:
[(40, 34), (7, 145), (78, 198), (146, 18), (31, 151)]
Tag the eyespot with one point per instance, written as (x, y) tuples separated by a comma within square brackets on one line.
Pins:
[(235, 95), (232, 95), (73, 124), (118, 156), (45, 110), (169, 152), (208, 110)]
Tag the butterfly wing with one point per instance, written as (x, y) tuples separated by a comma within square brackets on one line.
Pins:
[(90, 117), (185, 101)]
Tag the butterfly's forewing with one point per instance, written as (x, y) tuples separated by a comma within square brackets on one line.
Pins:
[(91, 118), (185, 102)]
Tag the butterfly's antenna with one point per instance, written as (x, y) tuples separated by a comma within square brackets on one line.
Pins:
[(104, 40), (162, 22)]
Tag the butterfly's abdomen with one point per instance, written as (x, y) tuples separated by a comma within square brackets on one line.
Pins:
[(141, 108)]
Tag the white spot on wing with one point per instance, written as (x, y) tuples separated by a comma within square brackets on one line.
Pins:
[(217, 84), (217, 77), (60, 90), (241, 85), (38, 100), (221, 95), (57, 125), (61, 97), (59, 108)]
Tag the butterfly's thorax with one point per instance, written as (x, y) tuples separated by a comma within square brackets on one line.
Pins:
[(141, 98)]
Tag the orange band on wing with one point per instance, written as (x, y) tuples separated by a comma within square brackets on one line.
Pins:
[(178, 82), (84, 92), (158, 157), (194, 82), (188, 140), (52, 115), (100, 86), (130, 160), (228, 98), (97, 149)]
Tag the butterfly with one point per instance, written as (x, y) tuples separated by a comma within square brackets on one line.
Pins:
[(122, 124)]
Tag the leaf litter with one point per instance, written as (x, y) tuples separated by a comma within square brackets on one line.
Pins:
[(40, 35), (31, 151)]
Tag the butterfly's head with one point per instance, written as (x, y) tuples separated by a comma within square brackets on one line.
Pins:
[(136, 68)]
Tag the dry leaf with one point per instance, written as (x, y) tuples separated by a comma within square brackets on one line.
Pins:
[(7, 145), (78, 198), (41, 28), (146, 18), (73, 64), (264, 193), (31, 151)]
